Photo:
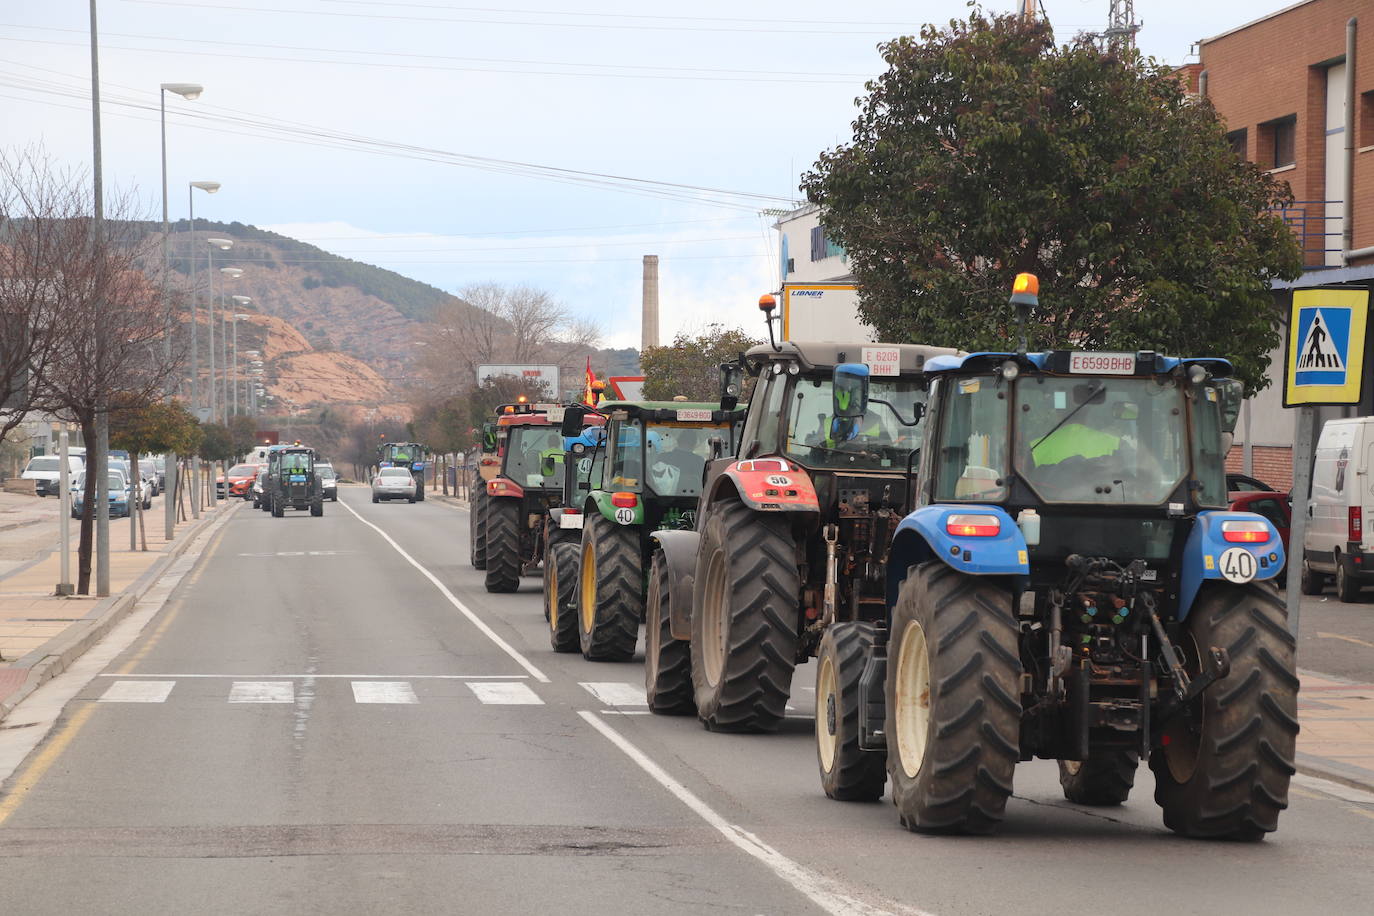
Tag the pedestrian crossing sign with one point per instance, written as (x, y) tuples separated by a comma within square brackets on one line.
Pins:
[(1325, 352)]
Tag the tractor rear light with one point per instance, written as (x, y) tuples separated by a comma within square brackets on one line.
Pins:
[(1238, 531), (762, 464), (624, 500), (973, 526), (1356, 522)]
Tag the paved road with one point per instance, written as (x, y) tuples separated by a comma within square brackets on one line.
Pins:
[(313, 725)]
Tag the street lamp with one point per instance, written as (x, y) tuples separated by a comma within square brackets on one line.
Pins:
[(222, 245), (240, 301), (230, 273), (209, 187)]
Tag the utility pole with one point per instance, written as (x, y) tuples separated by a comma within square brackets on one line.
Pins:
[(102, 417)]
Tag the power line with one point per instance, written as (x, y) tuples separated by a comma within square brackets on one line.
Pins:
[(486, 9)]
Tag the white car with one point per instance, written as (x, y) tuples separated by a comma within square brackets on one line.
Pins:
[(329, 481), (46, 472), (393, 483)]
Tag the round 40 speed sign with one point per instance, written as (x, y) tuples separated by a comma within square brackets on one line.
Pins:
[(1238, 565)]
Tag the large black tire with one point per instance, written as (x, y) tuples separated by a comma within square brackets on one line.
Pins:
[(1312, 581), (848, 772), (667, 661), (744, 619), (610, 593), (1106, 778), (1228, 776), (477, 526), (1347, 586), (953, 701), (317, 508), (503, 545), (560, 595), (278, 508)]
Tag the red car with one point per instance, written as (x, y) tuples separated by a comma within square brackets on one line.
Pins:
[(241, 477), (1277, 507)]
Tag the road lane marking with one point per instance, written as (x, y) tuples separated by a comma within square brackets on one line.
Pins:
[(384, 692), (1358, 642), (453, 600), (138, 692), (262, 692), (826, 893), (505, 694), (616, 693), (43, 762), (386, 677)]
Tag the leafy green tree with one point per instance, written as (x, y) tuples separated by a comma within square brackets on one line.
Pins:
[(986, 150), (154, 428), (690, 365), (217, 444), (243, 433)]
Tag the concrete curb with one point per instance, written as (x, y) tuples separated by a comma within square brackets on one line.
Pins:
[(57, 655), (13, 525), (1334, 771)]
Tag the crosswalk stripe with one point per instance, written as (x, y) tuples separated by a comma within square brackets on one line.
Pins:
[(138, 692), (504, 694), (616, 693), (384, 692), (262, 692)]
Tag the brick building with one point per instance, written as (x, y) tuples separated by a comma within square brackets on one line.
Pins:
[(1295, 105)]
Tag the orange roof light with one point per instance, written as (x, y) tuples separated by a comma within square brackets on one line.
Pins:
[(767, 303), (1026, 283), (522, 399)]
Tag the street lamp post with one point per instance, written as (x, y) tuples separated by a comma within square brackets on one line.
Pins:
[(240, 301), (209, 187), (230, 273), (190, 92), (223, 245)]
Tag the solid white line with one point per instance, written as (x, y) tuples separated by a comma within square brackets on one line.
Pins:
[(827, 894), (138, 692), (616, 693), (505, 694), (388, 677), (384, 692), (453, 600), (262, 692)]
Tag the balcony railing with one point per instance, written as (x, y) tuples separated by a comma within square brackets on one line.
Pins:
[(1318, 234)]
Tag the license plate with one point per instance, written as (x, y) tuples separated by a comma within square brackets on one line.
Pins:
[(1102, 363), (883, 360), (688, 415), (569, 521)]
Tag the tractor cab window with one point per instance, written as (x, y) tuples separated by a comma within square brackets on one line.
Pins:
[(1209, 445), (627, 454), (677, 455), (1101, 440), (295, 461), (884, 437), (525, 450), (972, 462)]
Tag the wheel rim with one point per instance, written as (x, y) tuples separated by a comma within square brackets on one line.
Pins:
[(551, 593), (1182, 746), (651, 634), (1340, 577), (714, 628), (912, 700), (588, 587), (827, 712), (1071, 766)]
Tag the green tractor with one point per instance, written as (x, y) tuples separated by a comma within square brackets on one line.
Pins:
[(645, 477), (292, 482), (408, 455)]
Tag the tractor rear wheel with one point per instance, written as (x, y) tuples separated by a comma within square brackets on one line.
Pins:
[(667, 661), (317, 508), (1223, 769), (953, 701), (503, 545), (278, 508), (744, 619), (610, 596), (477, 526), (848, 772), (560, 596), (1105, 778)]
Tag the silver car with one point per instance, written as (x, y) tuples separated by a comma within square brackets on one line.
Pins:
[(393, 483)]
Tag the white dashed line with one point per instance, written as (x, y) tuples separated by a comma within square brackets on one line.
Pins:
[(138, 692), (504, 694), (616, 693)]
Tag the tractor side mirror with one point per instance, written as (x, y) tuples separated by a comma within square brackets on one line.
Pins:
[(731, 384), (572, 421), (1230, 394), (849, 392)]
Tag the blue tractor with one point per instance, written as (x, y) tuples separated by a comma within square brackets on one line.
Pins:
[(1071, 586), (409, 455)]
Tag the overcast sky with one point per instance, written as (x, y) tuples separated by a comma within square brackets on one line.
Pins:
[(346, 123)]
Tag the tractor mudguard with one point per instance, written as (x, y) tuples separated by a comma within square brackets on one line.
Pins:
[(769, 485), (621, 515), (1207, 555), (679, 548), (504, 486), (924, 535)]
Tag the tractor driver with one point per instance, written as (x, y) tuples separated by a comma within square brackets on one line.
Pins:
[(675, 465), (1076, 458)]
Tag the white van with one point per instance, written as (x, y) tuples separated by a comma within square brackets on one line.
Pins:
[(1340, 526)]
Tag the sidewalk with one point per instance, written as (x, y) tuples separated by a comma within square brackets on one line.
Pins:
[(1337, 737), (41, 633)]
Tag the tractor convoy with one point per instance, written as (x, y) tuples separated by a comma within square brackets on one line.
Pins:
[(992, 557)]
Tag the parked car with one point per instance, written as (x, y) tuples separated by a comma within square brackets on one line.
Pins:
[(239, 480), (1339, 542), (1277, 507), (393, 483), (147, 471), (46, 472), (144, 487), (120, 494), (329, 481), (1243, 483)]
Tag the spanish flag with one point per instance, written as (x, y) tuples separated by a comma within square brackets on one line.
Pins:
[(590, 391)]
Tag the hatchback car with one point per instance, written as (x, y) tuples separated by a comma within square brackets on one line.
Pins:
[(120, 494), (393, 483), (329, 481)]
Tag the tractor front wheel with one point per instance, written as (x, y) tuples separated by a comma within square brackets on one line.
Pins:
[(560, 596), (1105, 778), (667, 661), (953, 701), (503, 545), (1222, 769), (848, 772), (744, 620), (610, 598), (477, 526)]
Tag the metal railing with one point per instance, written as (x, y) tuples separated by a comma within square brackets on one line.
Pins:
[(1317, 234)]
